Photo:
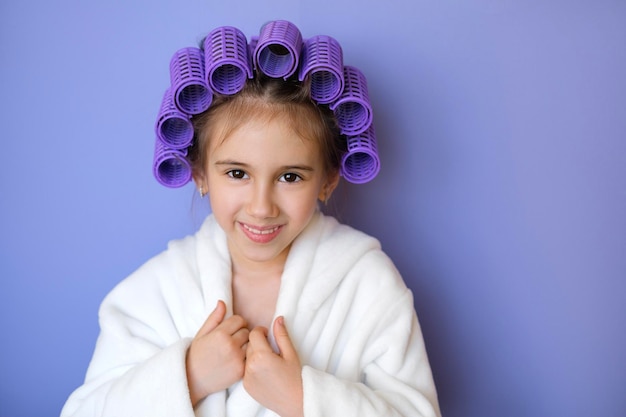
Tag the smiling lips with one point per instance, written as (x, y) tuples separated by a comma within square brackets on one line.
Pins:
[(260, 235)]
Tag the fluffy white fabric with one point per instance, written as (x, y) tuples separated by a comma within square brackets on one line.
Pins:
[(348, 312)]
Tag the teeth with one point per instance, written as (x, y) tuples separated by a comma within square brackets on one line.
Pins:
[(260, 232)]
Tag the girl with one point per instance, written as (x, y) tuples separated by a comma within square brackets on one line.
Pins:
[(271, 308)]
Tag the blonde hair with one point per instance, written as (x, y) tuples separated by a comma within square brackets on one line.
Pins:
[(270, 98)]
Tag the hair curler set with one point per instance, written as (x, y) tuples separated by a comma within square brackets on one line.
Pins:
[(223, 65)]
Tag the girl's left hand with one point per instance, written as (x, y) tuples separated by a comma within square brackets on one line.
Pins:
[(274, 380)]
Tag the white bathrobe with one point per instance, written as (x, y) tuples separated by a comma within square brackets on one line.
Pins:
[(348, 312)]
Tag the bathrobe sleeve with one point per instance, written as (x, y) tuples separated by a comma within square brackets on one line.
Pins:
[(396, 379), (135, 370), (146, 326), (376, 362)]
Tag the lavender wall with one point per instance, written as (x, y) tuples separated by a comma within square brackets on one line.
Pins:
[(502, 132)]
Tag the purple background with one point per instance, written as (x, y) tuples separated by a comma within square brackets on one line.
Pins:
[(502, 197)]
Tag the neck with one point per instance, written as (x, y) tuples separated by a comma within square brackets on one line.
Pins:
[(243, 267)]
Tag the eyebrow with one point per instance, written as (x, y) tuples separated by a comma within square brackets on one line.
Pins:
[(229, 162), (283, 168)]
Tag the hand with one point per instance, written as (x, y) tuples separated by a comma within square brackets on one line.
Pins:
[(274, 380), (216, 357)]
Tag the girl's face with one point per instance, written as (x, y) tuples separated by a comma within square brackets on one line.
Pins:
[(263, 182)]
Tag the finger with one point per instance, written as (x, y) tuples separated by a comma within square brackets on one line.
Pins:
[(241, 337), (257, 340), (283, 341), (214, 319), (233, 324)]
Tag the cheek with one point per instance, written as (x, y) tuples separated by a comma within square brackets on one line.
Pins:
[(304, 204), (222, 200)]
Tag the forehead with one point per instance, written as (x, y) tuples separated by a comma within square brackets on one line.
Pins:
[(234, 115), (265, 140), (303, 120)]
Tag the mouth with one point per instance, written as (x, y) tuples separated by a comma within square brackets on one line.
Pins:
[(260, 234), (259, 231)]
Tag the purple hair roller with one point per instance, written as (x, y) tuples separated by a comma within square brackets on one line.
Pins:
[(361, 163), (353, 109), (322, 58), (278, 49), (173, 127), (170, 166), (227, 60), (254, 41), (192, 94)]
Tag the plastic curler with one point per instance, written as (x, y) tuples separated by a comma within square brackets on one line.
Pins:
[(173, 127), (353, 109), (227, 61), (278, 49), (171, 167), (191, 92), (322, 59), (254, 41), (361, 163)]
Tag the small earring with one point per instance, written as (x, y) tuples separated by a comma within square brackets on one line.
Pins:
[(201, 191)]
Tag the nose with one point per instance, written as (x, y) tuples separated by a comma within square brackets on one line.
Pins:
[(262, 204)]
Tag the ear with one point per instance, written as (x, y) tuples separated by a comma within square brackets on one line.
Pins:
[(201, 183), (329, 186)]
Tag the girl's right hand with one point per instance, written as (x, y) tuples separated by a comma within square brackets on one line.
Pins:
[(216, 357)]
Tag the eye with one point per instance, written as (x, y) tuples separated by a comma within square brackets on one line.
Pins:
[(290, 177), (237, 174)]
